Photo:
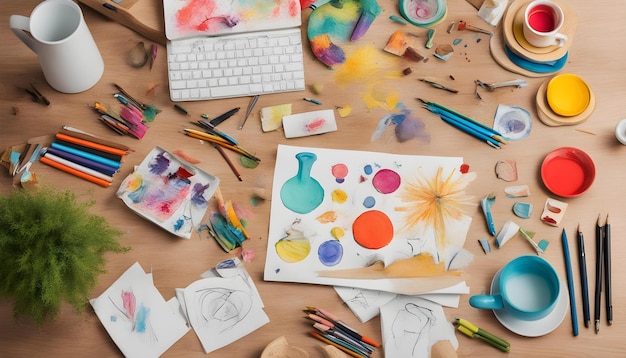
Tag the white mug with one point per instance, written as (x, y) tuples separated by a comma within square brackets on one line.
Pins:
[(542, 21), (68, 55)]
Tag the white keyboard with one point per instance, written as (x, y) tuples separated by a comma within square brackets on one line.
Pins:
[(235, 65)]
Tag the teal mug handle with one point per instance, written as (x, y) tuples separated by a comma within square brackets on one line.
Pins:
[(487, 302)]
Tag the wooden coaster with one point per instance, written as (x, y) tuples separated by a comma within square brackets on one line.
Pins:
[(528, 51), (143, 16), (549, 118), (496, 47)]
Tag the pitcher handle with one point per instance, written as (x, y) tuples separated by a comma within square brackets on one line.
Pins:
[(20, 25)]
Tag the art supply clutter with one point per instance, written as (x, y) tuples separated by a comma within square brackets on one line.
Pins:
[(85, 156)]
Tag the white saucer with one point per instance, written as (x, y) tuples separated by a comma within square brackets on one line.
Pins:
[(536, 328)]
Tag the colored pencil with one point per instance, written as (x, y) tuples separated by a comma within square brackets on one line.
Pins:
[(469, 119), (84, 154), (74, 172), (228, 161), (607, 271), (86, 136), (104, 169), (336, 323), (340, 347), (582, 262), (211, 138), (471, 131), (90, 144), (114, 157), (79, 167), (570, 283), (353, 341), (598, 292)]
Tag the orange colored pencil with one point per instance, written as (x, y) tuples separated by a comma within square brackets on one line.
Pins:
[(75, 172), (89, 144)]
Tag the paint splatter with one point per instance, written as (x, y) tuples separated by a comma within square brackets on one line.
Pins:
[(293, 248), (339, 171), (337, 232), (433, 201), (369, 202), (330, 253), (327, 217), (315, 125), (386, 181), (339, 196), (372, 229)]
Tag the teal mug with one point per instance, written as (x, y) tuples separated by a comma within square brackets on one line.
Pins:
[(527, 288)]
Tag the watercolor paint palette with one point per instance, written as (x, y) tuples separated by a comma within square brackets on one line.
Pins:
[(168, 191)]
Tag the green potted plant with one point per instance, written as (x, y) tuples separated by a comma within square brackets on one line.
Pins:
[(51, 250)]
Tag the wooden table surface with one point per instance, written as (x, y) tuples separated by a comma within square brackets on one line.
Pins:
[(596, 55)]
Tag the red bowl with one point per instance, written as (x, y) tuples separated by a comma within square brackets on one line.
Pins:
[(568, 172)]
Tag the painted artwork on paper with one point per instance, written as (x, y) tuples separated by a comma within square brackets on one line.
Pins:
[(187, 18), (350, 218), (136, 316), (169, 192)]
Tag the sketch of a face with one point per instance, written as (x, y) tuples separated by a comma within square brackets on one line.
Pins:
[(411, 328)]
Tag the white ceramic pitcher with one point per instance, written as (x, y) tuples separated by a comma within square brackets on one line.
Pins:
[(56, 31)]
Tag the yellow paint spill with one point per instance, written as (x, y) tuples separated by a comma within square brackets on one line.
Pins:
[(339, 196)]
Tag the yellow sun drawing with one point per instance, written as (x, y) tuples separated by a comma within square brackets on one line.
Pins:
[(433, 201)]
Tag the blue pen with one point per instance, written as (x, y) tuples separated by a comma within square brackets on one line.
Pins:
[(570, 283), (80, 153)]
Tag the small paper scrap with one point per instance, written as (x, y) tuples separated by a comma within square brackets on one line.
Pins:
[(506, 170), (484, 243), (509, 230), (517, 191), (272, 117), (553, 212), (522, 210), (309, 123)]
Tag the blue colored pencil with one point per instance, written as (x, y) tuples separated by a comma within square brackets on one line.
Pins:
[(570, 283), (102, 168), (469, 130), (84, 154)]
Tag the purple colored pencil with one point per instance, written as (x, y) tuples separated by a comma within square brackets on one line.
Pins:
[(102, 168)]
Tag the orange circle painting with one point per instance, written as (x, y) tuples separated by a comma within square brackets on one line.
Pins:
[(372, 229)]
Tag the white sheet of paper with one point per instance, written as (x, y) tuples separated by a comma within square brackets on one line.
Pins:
[(365, 304), (309, 123), (411, 325), (138, 319), (361, 167), (231, 268), (222, 310)]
